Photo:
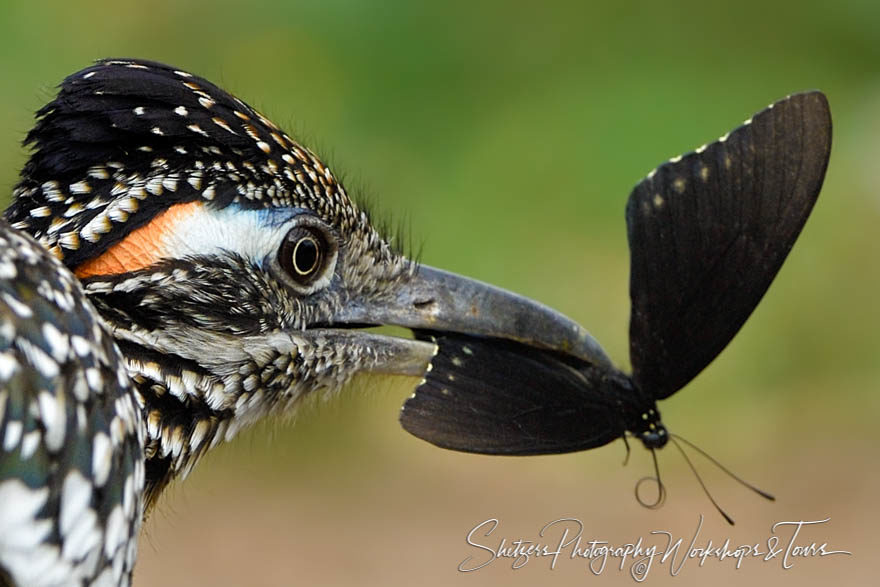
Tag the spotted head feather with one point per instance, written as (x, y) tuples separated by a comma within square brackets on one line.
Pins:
[(125, 139)]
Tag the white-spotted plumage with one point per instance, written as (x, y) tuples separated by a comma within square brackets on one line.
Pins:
[(51, 339)]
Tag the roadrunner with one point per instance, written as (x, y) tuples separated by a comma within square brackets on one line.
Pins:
[(175, 267)]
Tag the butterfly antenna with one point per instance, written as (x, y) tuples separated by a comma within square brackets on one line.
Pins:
[(743, 482), (700, 479), (661, 489), (626, 458)]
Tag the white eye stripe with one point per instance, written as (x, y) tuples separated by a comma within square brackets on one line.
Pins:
[(251, 234), (255, 235)]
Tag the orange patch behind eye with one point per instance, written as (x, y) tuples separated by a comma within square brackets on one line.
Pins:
[(141, 248)]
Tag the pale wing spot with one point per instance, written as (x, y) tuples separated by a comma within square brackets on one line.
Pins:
[(679, 184), (81, 346), (128, 497), (704, 173), (19, 507), (59, 342), (22, 310), (658, 201), (181, 111), (7, 331), (54, 418), (94, 379), (82, 418), (8, 366), (76, 498), (13, 435), (29, 444), (83, 537), (102, 458)]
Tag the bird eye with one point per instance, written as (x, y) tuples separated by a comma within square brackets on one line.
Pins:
[(303, 253)]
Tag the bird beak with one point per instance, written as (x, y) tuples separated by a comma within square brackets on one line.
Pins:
[(438, 301)]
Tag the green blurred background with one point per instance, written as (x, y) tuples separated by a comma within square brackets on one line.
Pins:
[(506, 136)]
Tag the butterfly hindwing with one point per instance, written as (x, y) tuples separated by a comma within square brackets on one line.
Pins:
[(709, 231), (495, 397)]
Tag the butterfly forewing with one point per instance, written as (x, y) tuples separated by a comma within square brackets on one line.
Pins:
[(495, 397), (709, 231)]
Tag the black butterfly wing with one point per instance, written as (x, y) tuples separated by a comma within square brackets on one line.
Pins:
[(709, 231), (495, 397)]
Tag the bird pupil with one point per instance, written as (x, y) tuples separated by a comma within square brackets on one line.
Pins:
[(305, 256)]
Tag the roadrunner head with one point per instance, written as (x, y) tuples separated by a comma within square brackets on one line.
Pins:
[(230, 265)]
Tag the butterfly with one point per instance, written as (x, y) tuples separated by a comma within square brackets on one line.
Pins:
[(708, 231)]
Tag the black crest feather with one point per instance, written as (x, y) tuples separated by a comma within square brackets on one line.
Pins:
[(124, 139)]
